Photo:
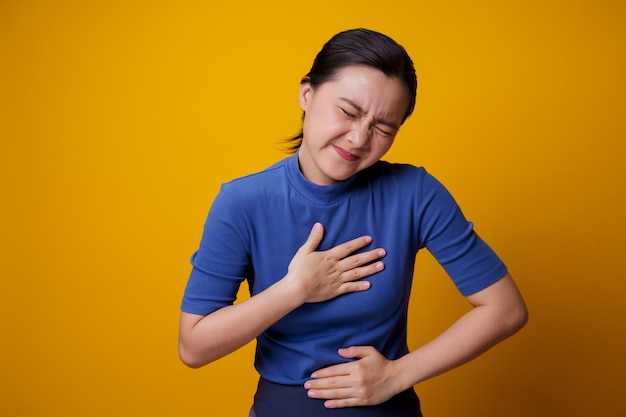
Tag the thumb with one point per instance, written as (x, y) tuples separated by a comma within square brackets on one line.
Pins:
[(315, 238), (355, 352)]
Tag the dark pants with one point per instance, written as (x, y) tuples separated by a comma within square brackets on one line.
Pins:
[(276, 400)]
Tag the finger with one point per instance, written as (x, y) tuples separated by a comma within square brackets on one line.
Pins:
[(331, 394), (328, 384), (341, 369), (356, 274), (346, 248), (328, 377), (315, 238), (353, 352), (346, 402), (359, 259), (355, 286)]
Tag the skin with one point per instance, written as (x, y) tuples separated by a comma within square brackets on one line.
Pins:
[(350, 123)]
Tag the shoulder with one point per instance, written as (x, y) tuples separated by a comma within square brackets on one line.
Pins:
[(241, 196), (247, 192), (261, 177), (402, 175), (257, 182), (418, 175), (410, 184)]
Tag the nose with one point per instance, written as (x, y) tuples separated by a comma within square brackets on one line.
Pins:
[(359, 135)]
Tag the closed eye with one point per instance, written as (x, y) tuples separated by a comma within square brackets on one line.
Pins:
[(350, 115), (384, 132)]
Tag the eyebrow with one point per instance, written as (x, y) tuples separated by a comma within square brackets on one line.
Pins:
[(377, 120)]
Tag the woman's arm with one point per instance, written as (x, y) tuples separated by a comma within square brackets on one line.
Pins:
[(498, 312), (312, 277)]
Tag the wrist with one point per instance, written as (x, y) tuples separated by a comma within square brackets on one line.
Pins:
[(403, 375), (292, 291)]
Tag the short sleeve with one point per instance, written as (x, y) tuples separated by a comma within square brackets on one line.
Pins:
[(222, 260), (450, 238)]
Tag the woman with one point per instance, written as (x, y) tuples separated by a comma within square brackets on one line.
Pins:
[(327, 240)]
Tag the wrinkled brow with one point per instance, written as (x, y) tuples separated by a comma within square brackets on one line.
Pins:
[(377, 120)]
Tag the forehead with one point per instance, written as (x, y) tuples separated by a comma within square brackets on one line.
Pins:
[(369, 88)]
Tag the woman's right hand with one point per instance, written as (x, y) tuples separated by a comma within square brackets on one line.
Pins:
[(323, 275)]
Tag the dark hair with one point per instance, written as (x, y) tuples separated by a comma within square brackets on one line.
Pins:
[(361, 47)]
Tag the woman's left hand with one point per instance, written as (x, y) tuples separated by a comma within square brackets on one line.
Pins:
[(369, 380)]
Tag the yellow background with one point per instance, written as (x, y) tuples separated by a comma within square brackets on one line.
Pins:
[(119, 121)]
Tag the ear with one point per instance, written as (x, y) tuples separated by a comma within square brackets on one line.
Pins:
[(305, 93)]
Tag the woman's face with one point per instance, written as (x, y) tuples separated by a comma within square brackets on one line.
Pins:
[(350, 122)]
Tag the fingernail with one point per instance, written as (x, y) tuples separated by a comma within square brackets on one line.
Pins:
[(382, 252), (380, 265)]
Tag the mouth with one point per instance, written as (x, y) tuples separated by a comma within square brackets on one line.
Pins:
[(350, 157)]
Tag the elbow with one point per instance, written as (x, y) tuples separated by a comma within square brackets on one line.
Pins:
[(189, 358), (190, 363), (513, 310), (523, 318), (516, 318), (192, 351)]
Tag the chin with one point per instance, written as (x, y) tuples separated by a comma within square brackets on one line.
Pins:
[(340, 178)]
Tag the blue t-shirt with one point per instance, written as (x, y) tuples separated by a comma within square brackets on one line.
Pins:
[(257, 223)]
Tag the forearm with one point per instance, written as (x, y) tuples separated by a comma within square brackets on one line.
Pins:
[(205, 339), (487, 324), (312, 277), (469, 337)]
